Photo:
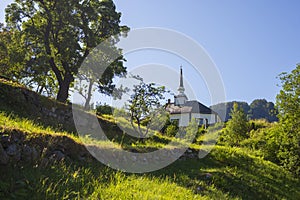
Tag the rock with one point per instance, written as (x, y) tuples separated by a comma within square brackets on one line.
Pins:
[(53, 109), (3, 156), (27, 153), (12, 150), (44, 162), (133, 158), (5, 141), (34, 155), (208, 175), (17, 138), (144, 161), (57, 155)]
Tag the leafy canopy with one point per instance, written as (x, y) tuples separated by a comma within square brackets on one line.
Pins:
[(145, 107), (288, 103), (59, 34)]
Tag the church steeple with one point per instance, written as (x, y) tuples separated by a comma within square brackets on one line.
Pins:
[(181, 88), (181, 98)]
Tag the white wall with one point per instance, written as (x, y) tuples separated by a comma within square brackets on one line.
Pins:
[(210, 117), (185, 118)]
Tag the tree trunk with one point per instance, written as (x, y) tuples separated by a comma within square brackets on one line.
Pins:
[(63, 90), (89, 95)]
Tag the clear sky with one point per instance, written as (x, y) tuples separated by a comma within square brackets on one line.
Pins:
[(251, 42)]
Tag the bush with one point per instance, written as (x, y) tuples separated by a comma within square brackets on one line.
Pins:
[(171, 130), (258, 124), (104, 110)]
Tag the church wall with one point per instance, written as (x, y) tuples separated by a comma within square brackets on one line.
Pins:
[(183, 118), (210, 117)]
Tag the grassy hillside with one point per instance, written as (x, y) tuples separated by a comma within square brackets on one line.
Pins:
[(64, 170)]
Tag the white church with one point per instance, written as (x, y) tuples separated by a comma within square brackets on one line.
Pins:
[(183, 111)]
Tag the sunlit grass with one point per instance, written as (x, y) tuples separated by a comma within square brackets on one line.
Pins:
[(236, 173), (11, 122)]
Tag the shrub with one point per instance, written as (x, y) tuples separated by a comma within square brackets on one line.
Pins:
[(104, 109), (171, 130)]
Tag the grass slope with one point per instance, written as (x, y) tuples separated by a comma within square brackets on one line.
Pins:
[(226, 173)]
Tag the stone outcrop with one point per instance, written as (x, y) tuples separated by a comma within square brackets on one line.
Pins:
[(17, 147), (33, 106)]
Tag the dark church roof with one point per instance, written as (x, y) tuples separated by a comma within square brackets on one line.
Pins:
[(190, 107), (198, 107)]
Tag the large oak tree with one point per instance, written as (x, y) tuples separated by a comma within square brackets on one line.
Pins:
[(59, 34)]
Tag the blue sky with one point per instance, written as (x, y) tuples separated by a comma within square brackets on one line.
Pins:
[(251, 42)]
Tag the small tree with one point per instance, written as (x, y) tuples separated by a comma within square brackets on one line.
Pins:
[(145, 107), (237, 127)]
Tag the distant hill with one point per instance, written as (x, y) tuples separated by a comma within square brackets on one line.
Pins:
[(258, 109)]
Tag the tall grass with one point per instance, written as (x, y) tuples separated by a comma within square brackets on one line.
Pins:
[(10, 122)]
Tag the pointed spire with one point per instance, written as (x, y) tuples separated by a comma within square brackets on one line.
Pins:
[(181, 78), (181, 87), (181, 98)]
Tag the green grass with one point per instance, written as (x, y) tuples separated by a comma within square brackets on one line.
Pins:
[(234, 175), (237, 173), (226, 173), (65, 181), (10, 122)]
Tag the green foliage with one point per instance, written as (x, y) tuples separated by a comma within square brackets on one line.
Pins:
[(288, 103), (192, 130), (171, 130), (59, 35), (145, 107), (237, 127), (288, 99), (12, 54), (104, 109)]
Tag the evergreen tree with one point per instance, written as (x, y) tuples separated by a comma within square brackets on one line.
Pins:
[(237, 127)]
